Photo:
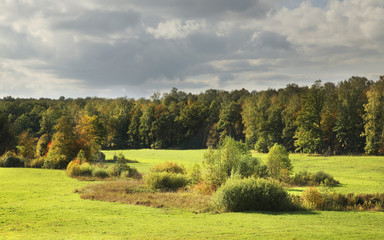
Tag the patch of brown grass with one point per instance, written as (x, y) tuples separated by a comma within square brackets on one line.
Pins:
[(134, 192)]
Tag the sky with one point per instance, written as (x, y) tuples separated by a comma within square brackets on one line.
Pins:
[(133, 48)]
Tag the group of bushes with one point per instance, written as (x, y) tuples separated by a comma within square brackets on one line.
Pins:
[(167, 176), (77, 168), (313, 199), (305, 178), (237, 180), (10, 159)]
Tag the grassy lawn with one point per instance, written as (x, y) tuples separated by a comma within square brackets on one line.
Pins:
[(42, 204), (148, 157)]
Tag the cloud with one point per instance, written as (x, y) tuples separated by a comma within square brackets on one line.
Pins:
[(87, 48), (98, 22), (175, 29)]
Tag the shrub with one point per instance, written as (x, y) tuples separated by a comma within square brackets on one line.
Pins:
[(324, 178), (73, 168), (303, 178), (308, 179), (86, 169), (170, 167), (345, 202), (37, 162), (100, 173), (231, 157), (55, 161), (252, 195), (165, 180), (131, 172), (195, 174), (121, 169), (312, 198), (10, 159), (98, 157)]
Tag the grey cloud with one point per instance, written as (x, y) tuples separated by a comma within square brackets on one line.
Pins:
[(202, 8), (98, 22), (106, 45), (274, 40)]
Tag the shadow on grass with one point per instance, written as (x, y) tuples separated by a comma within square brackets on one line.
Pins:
[(300, 212)]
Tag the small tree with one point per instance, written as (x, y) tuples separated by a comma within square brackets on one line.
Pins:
[(231, 158), (278, 162)]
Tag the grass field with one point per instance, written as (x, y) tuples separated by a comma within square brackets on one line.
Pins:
[(358, 174), (42, 204)]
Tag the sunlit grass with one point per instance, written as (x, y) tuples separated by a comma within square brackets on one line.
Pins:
[(358, 174), (42, 204)]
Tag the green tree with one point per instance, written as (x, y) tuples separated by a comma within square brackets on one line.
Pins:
[(133, 130), (230, 158), (350, 124), (309, 133), (63, 148), (374, 118), (146, 120), (230, 121), (278, 162), (26, 145), (7, 140)]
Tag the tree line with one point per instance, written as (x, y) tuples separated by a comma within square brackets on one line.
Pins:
[(325, 118)]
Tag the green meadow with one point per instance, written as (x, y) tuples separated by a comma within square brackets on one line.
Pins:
[(43, 204)]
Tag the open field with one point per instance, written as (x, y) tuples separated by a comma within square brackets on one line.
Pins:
[(42, 204)]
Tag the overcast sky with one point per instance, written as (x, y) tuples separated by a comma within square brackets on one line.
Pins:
[(114, 48)]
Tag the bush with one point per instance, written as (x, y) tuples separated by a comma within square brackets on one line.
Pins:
[(347, 202), (308, 179), (195, 174), (98, 157), (86, 169), (165, 180), (55, 161), (231, 158), (303, 178), (37, 162), (324, 178), (252, 195), (121, 169), (312, 198), (10, 159), (170, 167), (100, 173), (73, 168)]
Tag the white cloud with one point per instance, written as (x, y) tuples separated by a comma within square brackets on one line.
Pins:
[(176, 28)]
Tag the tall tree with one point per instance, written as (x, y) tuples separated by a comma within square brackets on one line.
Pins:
[(350, 125), (309, 134), (7, 140), (230, 121), (374, 118)]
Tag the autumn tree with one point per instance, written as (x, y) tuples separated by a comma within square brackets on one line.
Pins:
[(374, 119)]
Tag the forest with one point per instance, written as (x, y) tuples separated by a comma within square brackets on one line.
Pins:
[(324, 118)]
